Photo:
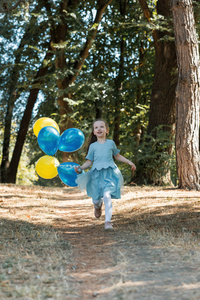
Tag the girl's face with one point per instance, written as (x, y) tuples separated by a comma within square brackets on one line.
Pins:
[(99, 129)]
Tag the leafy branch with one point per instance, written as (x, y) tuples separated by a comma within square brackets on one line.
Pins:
[(5, 7)]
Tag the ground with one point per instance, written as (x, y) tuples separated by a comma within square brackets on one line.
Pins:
[(52, 246)]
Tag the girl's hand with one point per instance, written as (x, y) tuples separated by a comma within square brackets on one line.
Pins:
[(133, 167), (78, 170)]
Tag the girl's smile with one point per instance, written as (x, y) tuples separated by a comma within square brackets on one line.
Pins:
[(100, 129)]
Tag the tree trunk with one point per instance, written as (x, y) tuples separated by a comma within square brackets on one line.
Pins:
[(12, 96), (187, 95), (58, 36), (67, 81), (119, 87), (7, 133), (98, 108), (162, 105), (119, 80), (139, 129), (12, 174)]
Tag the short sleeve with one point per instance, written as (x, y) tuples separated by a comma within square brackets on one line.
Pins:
[(90, 154), (115, 150)]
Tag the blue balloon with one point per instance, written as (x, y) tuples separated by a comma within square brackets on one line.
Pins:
[(71, 140), (67, 173), (48, 140)]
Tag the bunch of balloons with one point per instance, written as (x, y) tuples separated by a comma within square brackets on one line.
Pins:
[(49, 139)]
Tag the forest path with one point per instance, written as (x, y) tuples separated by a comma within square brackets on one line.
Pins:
[(152, 253)]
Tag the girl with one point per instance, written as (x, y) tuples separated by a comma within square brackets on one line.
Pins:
[(104, 179)]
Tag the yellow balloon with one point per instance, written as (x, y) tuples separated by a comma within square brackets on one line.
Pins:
[(46, 167), (43, 122)]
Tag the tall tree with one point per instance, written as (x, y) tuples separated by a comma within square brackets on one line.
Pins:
[(23, 129), (58, 37), (162, 104), (67, 81), (13, 93), (187, 95), (120, 78)]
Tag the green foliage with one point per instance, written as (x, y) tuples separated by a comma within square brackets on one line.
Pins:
[(153, 158), (26, 174), (116, 79), (55, 182), (196, 6)]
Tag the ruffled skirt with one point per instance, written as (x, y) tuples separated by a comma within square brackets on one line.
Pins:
[(97, 182)]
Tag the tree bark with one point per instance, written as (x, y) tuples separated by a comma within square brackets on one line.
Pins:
[(119, 80), (162, 104), (187, 95)]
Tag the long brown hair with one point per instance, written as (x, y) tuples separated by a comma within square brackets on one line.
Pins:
[(92, 138)]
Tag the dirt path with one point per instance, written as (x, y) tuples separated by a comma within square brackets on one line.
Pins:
[(152, 253)]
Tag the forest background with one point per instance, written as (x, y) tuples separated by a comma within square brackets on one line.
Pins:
[(75, 61)]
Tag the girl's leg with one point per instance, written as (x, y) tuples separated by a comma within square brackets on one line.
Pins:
[(97, 203), (108, 206), (97, 208)]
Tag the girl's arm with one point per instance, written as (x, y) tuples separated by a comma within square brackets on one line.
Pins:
[(86, 165), (121, 158)]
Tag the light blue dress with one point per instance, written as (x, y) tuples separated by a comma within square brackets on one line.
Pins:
[(104, 175)]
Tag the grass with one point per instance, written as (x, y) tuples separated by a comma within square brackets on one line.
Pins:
[(153, 226), (33, 262), (168, 219)]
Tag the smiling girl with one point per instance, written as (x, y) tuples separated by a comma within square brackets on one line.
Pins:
[(104, 180)]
